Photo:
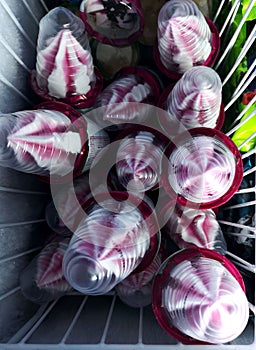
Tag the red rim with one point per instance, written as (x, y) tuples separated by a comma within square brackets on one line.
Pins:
[(77, 101), (238, 172), (160, 281), (78, 124), (162, 105), (115, 42), (209, 61), (147, 213)]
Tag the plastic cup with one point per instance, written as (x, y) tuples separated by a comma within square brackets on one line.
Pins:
[(111, 242), (199, 297), (138, 161), (127, 99), (49, 141), (42, 280), (136, 289), (64, 69), (204, 168), (185, 38), (116, 23)]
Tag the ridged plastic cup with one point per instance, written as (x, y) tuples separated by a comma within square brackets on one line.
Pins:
[(53, 140), (199, 297), (128, 98), (204, 168), (109, 244), (64, 68), (42, 280), (136, 290), (196, 98), (138, 161), (116, 23), (185, 38)]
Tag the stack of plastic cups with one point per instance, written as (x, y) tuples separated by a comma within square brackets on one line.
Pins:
[(43, 280), (204, 168), (138, 161), (199, 297), (116, 23), (64, 68), (184, 38), (113, 240), (196, 99)]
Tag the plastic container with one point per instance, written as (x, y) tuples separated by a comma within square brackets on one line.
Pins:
[(71, 322)]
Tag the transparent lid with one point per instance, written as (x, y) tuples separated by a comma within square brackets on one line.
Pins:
[(199, 294), (113, 22), (204, 168)]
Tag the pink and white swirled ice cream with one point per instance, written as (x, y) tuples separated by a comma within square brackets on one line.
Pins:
[(204, 168), (107, 246), (196, 98), (184, 36), (199, 297), (136, 289), (191, 227), (39, 142), (127, 98), (64, 65), (43, 279)]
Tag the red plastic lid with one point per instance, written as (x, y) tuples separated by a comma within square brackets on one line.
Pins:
[(126, 40), (209, 61), (162, 117), (213, 133), (76, 101), (163, 276), (78, 124), (147, 213)]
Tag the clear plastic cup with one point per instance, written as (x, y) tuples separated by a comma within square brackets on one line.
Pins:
[(50, 140), (110, 243), (138, 161), (64, 67), (42, 280), (184, 38), (204, 168), (136, 289), (199, 297), (127, 99), (196, 98), (116, 23)]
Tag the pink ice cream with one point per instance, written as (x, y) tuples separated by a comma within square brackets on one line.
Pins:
[(195, 99), (190, 227), (64, 67), (184, 37), (138, 161), (136, 289), (199, 296), (49, 267), (39, 142), (120, 100), (203, 169), (107, 246)]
